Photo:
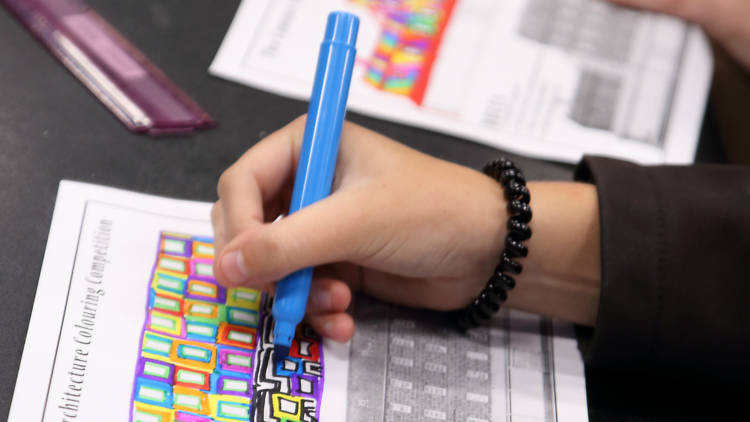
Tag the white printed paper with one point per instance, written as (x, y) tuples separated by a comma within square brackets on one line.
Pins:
[(85, 339)]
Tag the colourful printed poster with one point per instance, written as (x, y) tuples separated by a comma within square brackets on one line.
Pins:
[(546, 78)]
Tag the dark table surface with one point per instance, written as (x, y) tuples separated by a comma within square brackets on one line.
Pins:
[(52, 128)]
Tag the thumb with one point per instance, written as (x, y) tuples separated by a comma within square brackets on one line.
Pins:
[(324, 232)]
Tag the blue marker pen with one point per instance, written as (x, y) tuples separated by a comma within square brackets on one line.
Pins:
[(317, 161)]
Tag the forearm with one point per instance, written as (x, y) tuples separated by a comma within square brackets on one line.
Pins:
[(562, 275)]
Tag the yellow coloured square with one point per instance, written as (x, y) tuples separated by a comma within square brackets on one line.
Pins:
[(287, 407), (243, 297), (156, 346), (143, 412), (165, 323), (169, 284), (177, 235), (191, 400), (226, 408)]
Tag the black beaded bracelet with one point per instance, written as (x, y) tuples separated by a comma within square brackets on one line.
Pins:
[(496, 291)]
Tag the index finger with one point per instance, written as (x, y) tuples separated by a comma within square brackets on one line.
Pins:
[(258, 176)]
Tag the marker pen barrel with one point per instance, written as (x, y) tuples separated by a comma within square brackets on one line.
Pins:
[(317, 162)]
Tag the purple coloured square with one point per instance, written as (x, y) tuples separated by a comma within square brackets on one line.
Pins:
[(202, 268), (155, 370), (192, 290), (187, 417), (169, 246), (305, 386), (235, 360)]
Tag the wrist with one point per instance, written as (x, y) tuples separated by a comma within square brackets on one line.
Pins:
[(562, 275)]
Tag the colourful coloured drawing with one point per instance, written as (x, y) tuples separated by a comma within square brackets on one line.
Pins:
[(206, 352), (408, 44)]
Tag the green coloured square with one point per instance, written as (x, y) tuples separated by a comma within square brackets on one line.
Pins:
[(166, 303), (243, 317), (199, 329), (196, 313)]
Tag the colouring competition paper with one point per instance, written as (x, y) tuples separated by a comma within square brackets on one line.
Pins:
[(538, 77), (129, 325), (206, 352)]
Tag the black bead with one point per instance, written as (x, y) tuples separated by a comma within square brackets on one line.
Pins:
[(499, 290), (486, 308), (507, 281), (516, 190), (507, 175), (490, 296), (520, 210), (515, 248), (493, 169), (509, 265), (505, 163), (519, 229), (474, 317)]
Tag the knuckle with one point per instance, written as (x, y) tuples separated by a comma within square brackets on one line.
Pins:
[(225, 181)]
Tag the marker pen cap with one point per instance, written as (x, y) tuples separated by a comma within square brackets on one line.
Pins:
[(342, 28)]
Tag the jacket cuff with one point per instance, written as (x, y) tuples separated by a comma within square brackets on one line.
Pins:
[(632, 254)]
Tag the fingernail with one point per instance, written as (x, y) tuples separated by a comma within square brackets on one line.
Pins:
[(233, 267), (328, 328), (323, 299)]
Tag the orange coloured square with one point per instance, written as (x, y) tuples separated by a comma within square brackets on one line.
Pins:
[(237, 336), (173, 264)]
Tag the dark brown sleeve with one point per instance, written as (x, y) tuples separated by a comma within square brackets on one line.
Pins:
[(675, 267)]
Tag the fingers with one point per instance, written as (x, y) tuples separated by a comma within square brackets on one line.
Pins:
[(328, 295), (336, 326), (327, 231), (698, 11), (328, 301), (258, 177)]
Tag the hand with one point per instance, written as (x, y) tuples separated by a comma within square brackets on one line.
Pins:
[(727, 21), (400, 225)]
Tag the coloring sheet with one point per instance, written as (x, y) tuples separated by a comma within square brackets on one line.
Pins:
[(546, 78), (129, 325)]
